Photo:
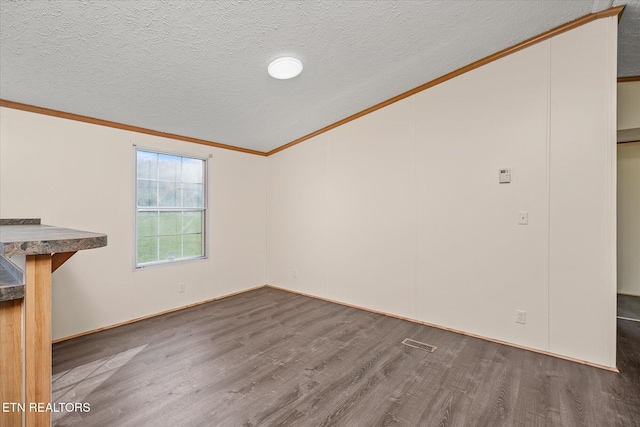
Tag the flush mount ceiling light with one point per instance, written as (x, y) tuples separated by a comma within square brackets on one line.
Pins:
[(285, 68)]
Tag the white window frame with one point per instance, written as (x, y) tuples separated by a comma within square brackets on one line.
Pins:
[(137, 209)]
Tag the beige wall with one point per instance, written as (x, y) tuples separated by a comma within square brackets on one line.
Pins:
[(629, 190), (79, 175), (628, 105), (629, 218), (401, 210), (582, 191), (629, 112)]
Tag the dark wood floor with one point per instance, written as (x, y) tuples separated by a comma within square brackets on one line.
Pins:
[(272, 358), (629, 306)]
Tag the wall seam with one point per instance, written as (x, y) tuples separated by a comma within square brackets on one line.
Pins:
[(132, 213), (266, 220), (415, 207), (612, 189), (548, 198), (326, 212)]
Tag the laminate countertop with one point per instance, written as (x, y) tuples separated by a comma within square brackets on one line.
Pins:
[(21, 237), (11, 281), (38, 239)]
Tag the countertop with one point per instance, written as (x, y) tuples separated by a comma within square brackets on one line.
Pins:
[(38, 239), (11, 281), (21, 237)]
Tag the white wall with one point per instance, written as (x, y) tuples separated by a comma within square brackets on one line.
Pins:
[(629, 218), (476, 266), (582, 184), (80, 175), (629, 191), (628, 105), (401, 210)]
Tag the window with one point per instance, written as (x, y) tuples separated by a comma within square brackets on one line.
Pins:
[(171, 207)]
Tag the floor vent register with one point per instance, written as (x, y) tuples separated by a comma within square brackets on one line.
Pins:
[(419, 345)]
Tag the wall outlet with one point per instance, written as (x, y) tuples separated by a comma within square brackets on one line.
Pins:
[(181, 287), (521, 316), (523, 218)]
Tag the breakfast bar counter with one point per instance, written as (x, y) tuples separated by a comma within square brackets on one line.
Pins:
[(38, 239), (29, 253)]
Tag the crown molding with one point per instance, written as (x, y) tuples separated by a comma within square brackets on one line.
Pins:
[(614, 11), (628, 79), (122, 126)]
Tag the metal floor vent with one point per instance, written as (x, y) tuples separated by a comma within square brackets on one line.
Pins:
[(420, 345)]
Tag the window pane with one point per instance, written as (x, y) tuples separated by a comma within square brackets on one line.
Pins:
[(192, 222), (167, 185), (147, 193), (168, 195), (169, 167), (192, 195), (170, 247), (192, 245), (192, 170), (147, 249), (170, 222), (147, 223), (147, 165)]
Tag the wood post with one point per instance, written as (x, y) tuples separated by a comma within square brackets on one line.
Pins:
[(10, 360), (37, 336)]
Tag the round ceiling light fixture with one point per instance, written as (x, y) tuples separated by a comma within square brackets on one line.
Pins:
[(285, 67)]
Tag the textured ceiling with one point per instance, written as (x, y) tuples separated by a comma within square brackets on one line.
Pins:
[(629, 39), (198, 69)]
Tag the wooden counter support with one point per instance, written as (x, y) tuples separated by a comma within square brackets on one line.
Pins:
[(36, 306), (60, 258), (37, 320), (25, 313), (10, 358)]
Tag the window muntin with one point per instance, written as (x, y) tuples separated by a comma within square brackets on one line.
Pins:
[(170, 207)]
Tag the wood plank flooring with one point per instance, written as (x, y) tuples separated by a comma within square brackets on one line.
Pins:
[(629, 306), (273, 358)]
